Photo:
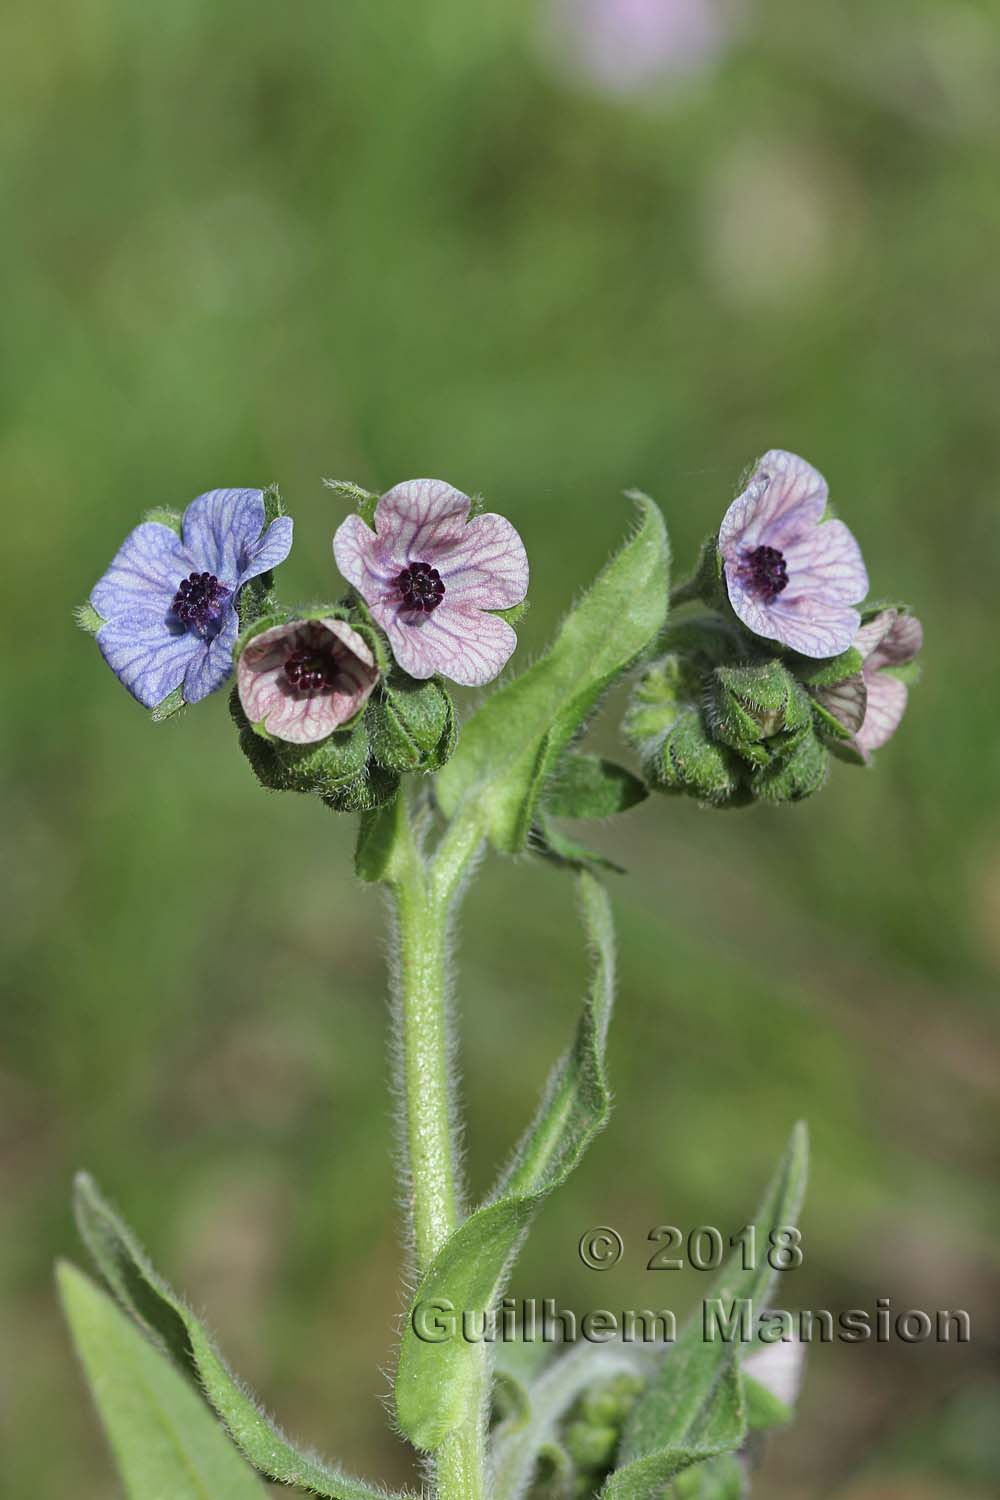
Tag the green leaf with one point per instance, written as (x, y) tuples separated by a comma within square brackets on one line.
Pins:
[(470, 1270), (695, 1407), (379, 852), (165, 1441), (515, 739), (588, 786), (548, 840), (764, 1408), (173, 1327)]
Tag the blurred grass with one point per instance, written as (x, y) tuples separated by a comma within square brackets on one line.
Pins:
[(248, 242)]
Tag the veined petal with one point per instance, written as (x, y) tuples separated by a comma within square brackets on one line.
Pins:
[(270, 551), (145, 571), (847, 701), (418, 518), (221, 529), (825, 562), (359, 557), (462, 643), (303, 717), (810, 626), (214, 662), (900, 643), (886, 706), (783, 495), (487, 567), (145, 655)]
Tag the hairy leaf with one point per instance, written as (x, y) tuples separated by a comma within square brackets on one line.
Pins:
[(695, 1407), (515, 739), (171, 1324), (588, 786), (166, 1443), (469, 1272)]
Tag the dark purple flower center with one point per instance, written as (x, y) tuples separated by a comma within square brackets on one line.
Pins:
[(311, 671), (200, 601), (765, 571), (420, 587)]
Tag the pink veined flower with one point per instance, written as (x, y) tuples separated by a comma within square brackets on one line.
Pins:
[(872, 703), (303, 680), (430, 576), (791, 576)]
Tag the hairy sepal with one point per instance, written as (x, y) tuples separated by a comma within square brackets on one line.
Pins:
[(513, 742), (471, 1269)]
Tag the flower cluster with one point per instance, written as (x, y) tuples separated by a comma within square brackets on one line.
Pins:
[(339, 700), (342, 699), (749, 700)]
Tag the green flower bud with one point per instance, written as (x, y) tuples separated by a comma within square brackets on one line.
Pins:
[(411, 724), (798, 776), (325, 768), (667, 728), (591, 1447), (759, 710)]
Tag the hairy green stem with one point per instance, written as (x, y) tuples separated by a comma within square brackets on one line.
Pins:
[(426, 892)]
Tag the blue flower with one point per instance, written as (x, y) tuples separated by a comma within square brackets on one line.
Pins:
[(168, 601)]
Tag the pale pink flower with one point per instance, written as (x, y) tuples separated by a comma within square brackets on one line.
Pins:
[(303, 680), (791, 576), (430, 577), (871, 704)]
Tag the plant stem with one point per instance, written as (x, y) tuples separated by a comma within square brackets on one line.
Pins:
[(426, 893)]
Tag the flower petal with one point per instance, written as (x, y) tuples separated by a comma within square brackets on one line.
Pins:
[(783, 496), (214, 663), (847, 701), (901, 642), (359, 557), (487, 567), (144, 653), (144, 573), (270, 551), (886, 706), (462, 643), (825, 562), (303, 718), (416, 519), (810, 626), (221, 529)]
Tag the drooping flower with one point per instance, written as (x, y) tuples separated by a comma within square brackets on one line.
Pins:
[(623, 45), (168, 601), (430, 576), (871, 704), (791, 576), (303, 680)]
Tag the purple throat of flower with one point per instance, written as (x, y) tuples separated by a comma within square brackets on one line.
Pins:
[(764, 570), (420, 587), (199, 602), (312, 671)]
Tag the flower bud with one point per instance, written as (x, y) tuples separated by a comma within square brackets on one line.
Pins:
[(758, 710), (411, 724), (666, 726)]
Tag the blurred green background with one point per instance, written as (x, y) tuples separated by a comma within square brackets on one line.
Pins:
[(250, 242)]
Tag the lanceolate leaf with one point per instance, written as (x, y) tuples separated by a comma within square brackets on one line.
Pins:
[(513, 742), (695, 1408), (172, 1325), (469, 1272), (166, 1442)]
